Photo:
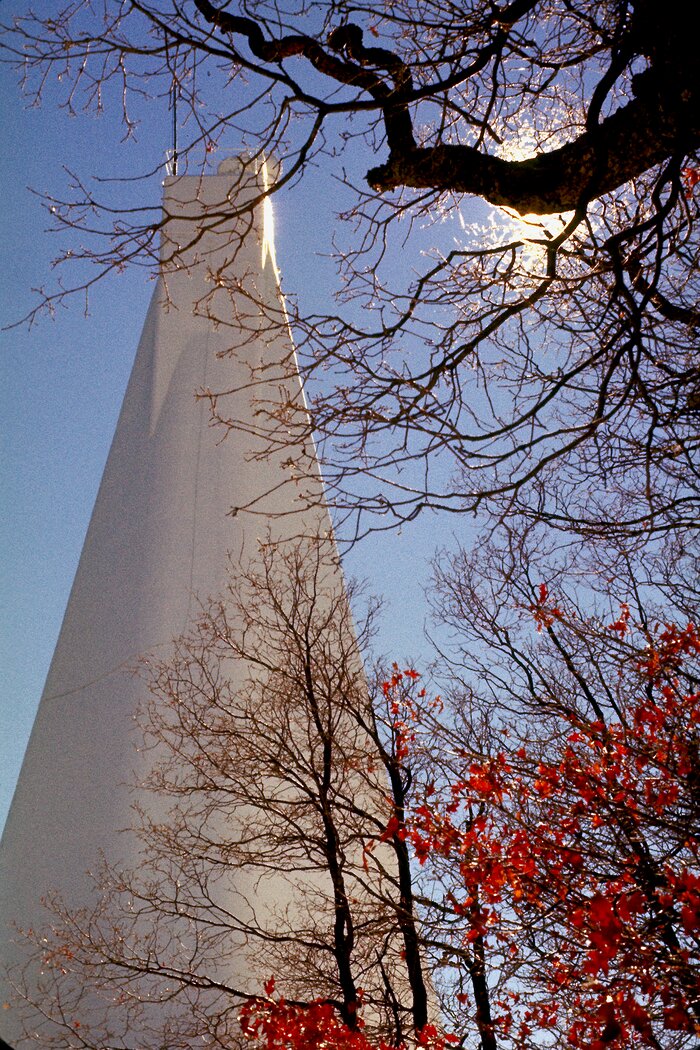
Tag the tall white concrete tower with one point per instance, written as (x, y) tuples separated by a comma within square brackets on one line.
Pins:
[(160, 537)]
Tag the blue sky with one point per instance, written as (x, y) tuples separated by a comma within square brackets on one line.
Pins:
[(62, 384)]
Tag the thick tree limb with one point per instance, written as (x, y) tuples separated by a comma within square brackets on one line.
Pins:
[(635, 138)]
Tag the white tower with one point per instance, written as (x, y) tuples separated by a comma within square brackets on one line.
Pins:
[(159, 539)]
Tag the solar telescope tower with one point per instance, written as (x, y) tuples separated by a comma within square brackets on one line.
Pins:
[(160, 539)]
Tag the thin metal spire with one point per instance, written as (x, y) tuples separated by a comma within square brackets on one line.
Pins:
[(173, 106)]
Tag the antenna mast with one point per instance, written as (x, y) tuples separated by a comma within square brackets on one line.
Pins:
[(173, 106)]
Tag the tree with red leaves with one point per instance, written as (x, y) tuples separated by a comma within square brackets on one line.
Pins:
[(563, 863)]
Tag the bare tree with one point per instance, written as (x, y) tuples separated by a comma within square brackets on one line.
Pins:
[(263, 834), (544, 366)]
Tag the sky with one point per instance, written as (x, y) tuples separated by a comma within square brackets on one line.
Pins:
[(61, 386)]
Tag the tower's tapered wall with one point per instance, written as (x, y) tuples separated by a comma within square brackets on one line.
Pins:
[(159, 541)]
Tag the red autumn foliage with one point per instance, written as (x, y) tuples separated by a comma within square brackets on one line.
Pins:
[(691, 177), (575, 869), (273, 1024), (543, 611)]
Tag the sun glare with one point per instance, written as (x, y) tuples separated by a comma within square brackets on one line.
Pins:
[(268, 240)]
